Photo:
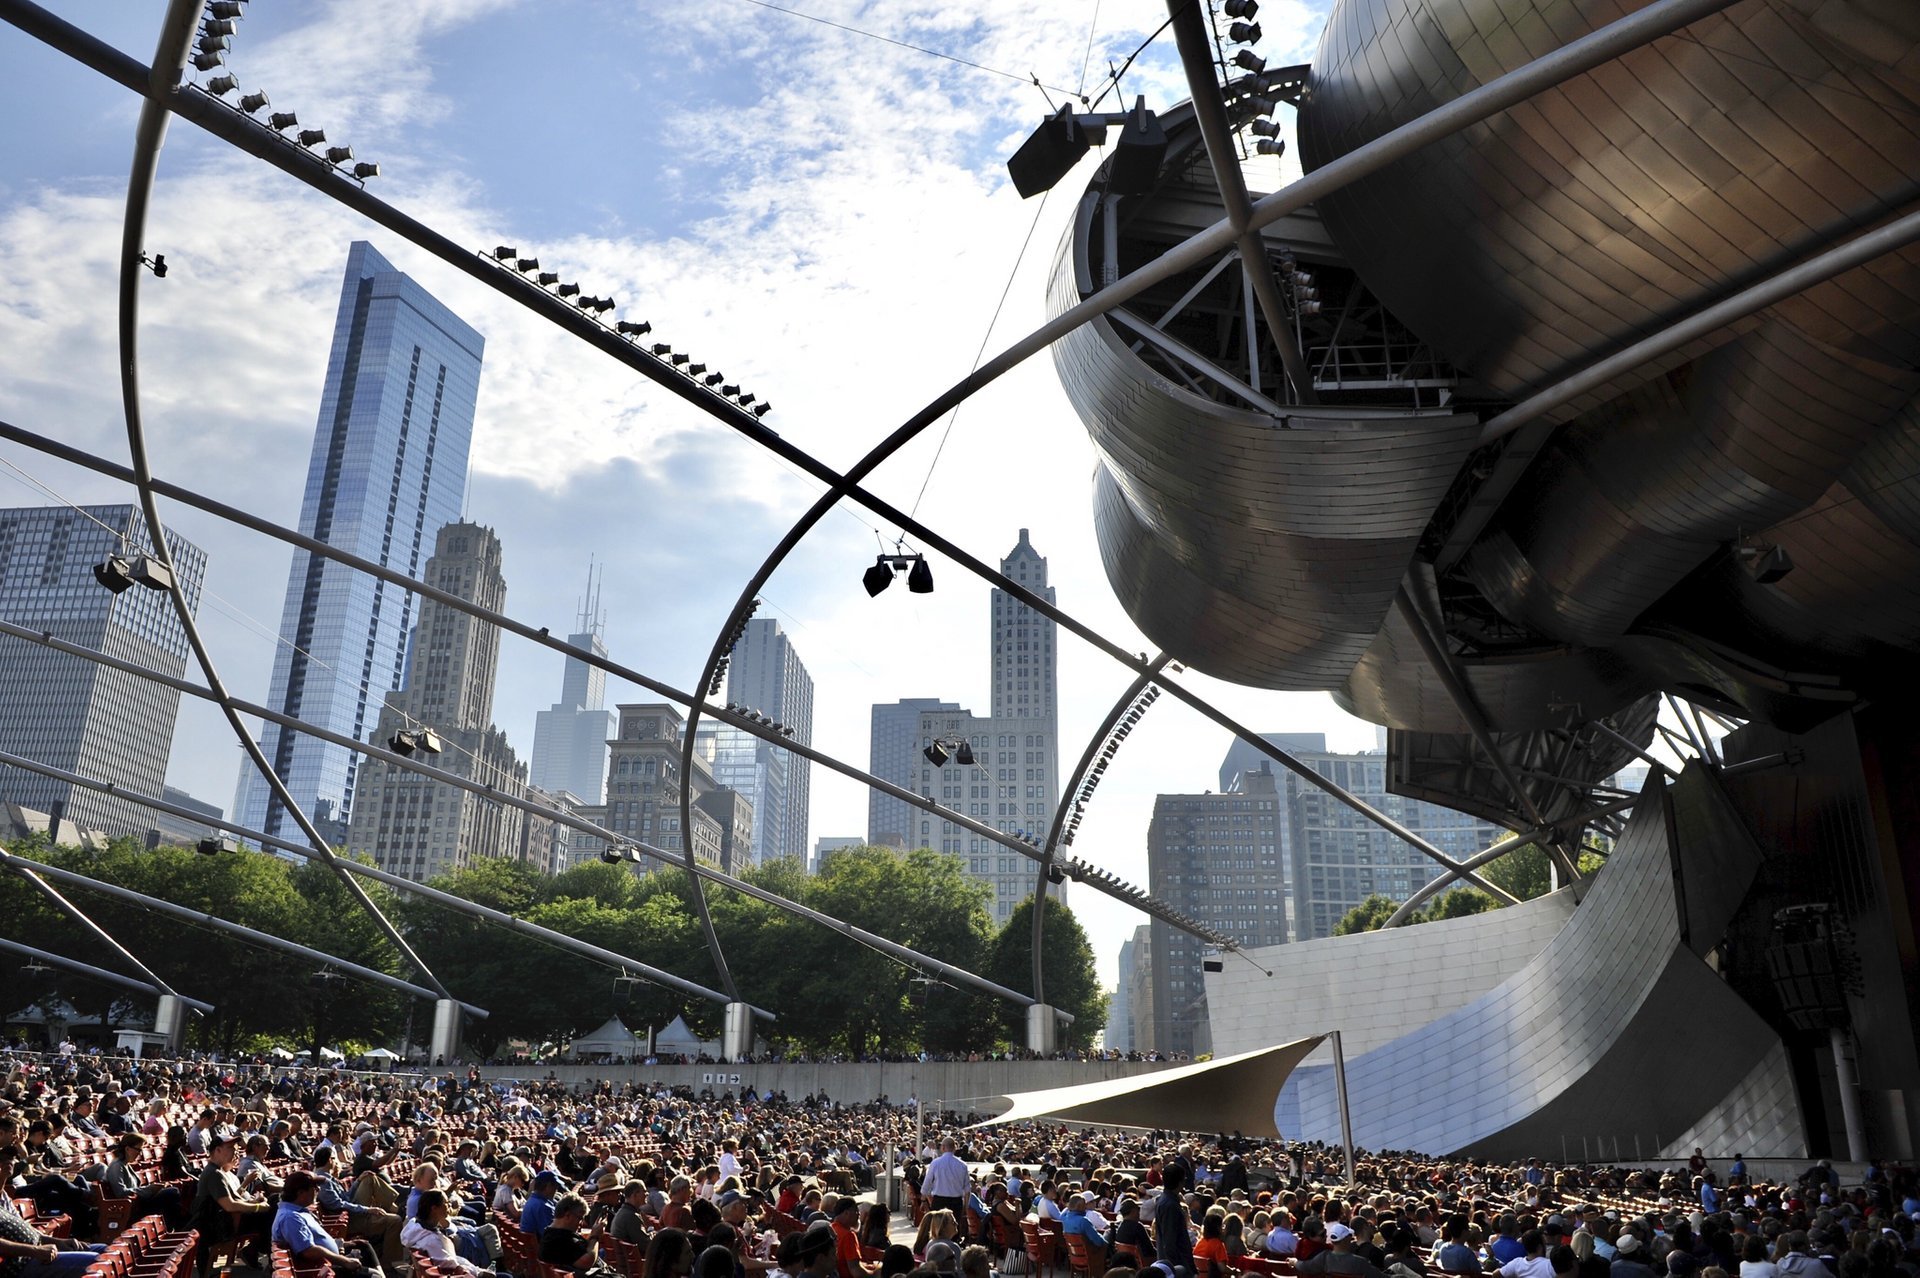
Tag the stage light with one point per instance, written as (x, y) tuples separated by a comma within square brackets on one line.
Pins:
[(875, 579), (525, 264), (1244, 33), (280, 121), (568, 290), (747, 399), (612, 856), (661, 348), (215, 43), (634, 328), (366, 169), (223, 10), (965, 754), (505, 254), (694, 370), (1248, 60), (157, 264), (1309, 307), (1044, 158), (729, 390), (1766, 564), (1271, 146), (218, 26), (208, 61), (1212, 965), (221, 85), (920, 577), (936, 755), (312, 137), (339, 154), (762, 409), (207, 847), (678, 358), (253, 102), (1241, 8), (1264, 128), (714, 379), (115, 573), (547, 279), (118, 572)]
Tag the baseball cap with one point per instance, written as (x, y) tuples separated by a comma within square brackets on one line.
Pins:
[(943, 1257), (1337, 1232), (728, 1198), (546, 1178)]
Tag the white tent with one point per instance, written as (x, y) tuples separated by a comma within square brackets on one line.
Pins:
[(381, 1054), (611, 1039), (1232, 1094), (677, 1040)]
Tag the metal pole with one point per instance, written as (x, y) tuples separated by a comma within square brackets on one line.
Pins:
[(146, 902), (1346, 1114), (1847, 1081), (100, 973), (79, 916)]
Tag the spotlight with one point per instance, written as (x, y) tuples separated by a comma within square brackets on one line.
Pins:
[(762, 409), (1260, 106), (965, 754), (1271, 146), (661, 348), (223, 10), (221, 26), (1264, 128), (547, 279), (1248, 60), (604, 305), (1244, 33), (1309, 307), (366, 169), (215, 43), (1241, 8), (747, 399), (1055, 876), (505, 254), (280, 121), (339, 154), (714, 379), (568, 290), (525, 264), (936, 755), (875, 579), (729, 390), (117, 572), (312, 137), (634, 329), (694, 370), (679, 358), (1043, 159), (424, 740), (920, 578), (252, 102), (208, 61), (612, 856), (221, 85), (157, 264)]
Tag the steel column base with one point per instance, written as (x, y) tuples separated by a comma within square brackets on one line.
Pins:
[(736, 1037), (1043, 1027), (445, 1044)]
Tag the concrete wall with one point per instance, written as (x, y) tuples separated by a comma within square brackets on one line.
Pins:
[(960, 1084)]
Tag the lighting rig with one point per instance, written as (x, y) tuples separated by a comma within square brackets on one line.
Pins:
[(885, 566), (734, 636), (1091, 781), (715, 383)]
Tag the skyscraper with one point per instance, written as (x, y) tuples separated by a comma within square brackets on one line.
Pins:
[(73, 713), (643, 791), (1120, 1010), (570, 737), (388, 468), (765, 674), (1024, 657), (1216, 858), (410, 824), (893, 754)]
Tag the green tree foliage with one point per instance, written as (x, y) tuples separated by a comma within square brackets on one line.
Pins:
[(1067, 964), (1366, 916)]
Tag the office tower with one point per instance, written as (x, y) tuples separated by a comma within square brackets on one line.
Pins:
[(1242, 756), (1120, 1009), (827, 844), (1011, 785), (1337, 859), (388, 468), (72, 713), (164, 828), (1215, 858), (416, 826), (764, 673), (1024, 657), (570, 737), (643, 791), (893, 754), (1140, 992)]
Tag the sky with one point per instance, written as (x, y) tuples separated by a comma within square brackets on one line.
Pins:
[(821, 214)]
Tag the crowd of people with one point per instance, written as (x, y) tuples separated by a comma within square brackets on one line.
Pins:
[(376, 1174)]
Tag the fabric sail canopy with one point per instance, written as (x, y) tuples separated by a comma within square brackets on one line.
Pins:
[(1231, 1094)]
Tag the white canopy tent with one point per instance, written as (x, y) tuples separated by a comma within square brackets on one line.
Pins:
[(611, 1039), (678, 1040), (1232, 1094)]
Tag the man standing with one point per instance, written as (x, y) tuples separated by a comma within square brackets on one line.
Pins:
[(947, 1183), (296, 1228)]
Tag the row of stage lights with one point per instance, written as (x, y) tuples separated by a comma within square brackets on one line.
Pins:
[(1246, 32), (748, 712), (716, 383), (1121, 731), (734, 636), (210, 53)]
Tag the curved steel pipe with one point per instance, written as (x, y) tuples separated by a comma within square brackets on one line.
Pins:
[(1065, 805), (99, 973), (169, 62), (20, 864), (79, 916), (547, 935)]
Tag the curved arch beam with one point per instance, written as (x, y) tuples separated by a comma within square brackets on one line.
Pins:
[(372, 976), (1052, 844), (164, 78), (30, 874), (892, 949)]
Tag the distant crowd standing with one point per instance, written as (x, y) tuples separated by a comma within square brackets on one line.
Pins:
[(452, 1177)]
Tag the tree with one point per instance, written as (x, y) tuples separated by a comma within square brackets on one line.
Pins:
[(1067, 965), (1456, 903), (1526, 872), (1367, 916)]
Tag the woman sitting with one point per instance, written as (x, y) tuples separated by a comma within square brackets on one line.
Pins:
[(430, 1232)]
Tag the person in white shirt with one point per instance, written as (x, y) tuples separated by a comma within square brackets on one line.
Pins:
[(1533, 1263), (947, 1182), (729, 1158), (431, 1233)]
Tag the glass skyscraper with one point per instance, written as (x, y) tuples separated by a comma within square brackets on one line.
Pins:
[(73, 713), (388, 469), (766, 674)]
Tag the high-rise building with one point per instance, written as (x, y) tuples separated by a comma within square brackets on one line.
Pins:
[(827, 844), (1337, 859), (1011, 785), (570, 737), (1120, 1009), (413, 825), (893, 752), (1215, 858), (388, 468), (764, 673), (643, 791), (76, 714), (1025, 661), (1140, 992)]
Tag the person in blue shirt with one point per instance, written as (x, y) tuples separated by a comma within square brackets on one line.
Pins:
[(297, 1229), (1506, 1245), (1074, 1221), (1709, 1196), (538, 1213)]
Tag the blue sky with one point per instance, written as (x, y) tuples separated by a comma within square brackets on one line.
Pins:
[(823, 216)]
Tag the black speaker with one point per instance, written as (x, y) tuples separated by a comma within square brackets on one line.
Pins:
[(1043, 159), (1138, 154)]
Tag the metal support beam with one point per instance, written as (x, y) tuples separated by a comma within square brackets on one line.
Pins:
[(26, 870), (1210, 112), (904, 954), (25, 866), (100, 973)]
